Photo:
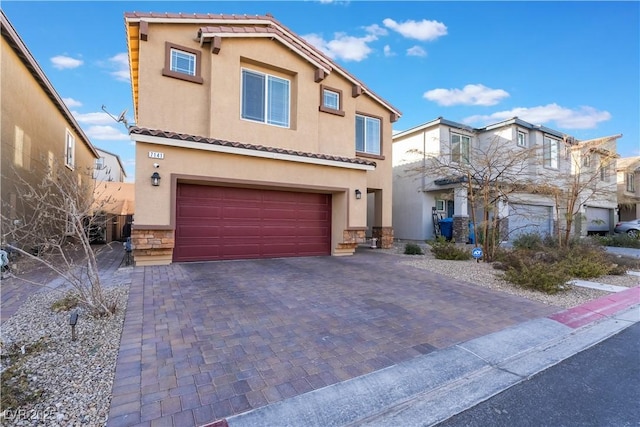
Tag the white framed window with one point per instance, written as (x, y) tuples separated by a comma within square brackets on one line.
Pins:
[(460, 146), (522, 139), (69, 150), (605, 171), (182, 62), (265, 98), (586, 160), (100, 163), (629, 181), (440, 205), (551, 148), (367, 134), (330, 99)]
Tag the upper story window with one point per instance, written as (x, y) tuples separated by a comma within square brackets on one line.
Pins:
[(100, 163), (331, 100), (629, 182), (367, 134), (265, 98), (70, 150), (182, 63), (586, 160), (605, 170), (522, 139), (551, 148), (460, 146)]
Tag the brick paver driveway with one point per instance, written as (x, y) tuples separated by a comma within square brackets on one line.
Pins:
[(203, 341)]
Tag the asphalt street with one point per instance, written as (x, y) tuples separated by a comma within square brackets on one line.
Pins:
[(597, 387)]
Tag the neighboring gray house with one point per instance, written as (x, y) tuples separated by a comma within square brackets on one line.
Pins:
[(420, 199), (628, 178), (108, 167)]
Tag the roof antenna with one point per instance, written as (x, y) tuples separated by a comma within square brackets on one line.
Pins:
[(121, 117)]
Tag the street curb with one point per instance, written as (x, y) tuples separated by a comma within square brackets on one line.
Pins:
[(431, 388)]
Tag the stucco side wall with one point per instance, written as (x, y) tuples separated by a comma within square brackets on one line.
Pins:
[(30, 119), (155, 205)]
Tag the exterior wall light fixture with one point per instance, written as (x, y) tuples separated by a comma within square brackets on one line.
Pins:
[(155, 179), (358, 194)]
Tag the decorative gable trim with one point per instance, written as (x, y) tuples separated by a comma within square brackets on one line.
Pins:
[(144, 31)]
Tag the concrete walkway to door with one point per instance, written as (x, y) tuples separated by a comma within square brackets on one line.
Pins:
[(204, 341)]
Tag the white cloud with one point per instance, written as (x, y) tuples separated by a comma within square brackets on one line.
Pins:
[(416, 51), (62, 62), (120, 61), (387, 51), (343, 46), (584, 117), (376, 30), (422, 30), (469, 95), (97, 118), (106, 133), (70, 102)]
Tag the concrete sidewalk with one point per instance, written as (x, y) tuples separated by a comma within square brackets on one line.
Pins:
[(429, 389)]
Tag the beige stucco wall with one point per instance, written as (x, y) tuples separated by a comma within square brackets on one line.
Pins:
[(30, 118), (212, 109), (155, 204)]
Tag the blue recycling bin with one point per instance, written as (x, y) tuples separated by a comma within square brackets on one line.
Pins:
[(446, 228)]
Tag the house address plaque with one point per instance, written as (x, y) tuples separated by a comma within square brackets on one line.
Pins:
[(156, 155)]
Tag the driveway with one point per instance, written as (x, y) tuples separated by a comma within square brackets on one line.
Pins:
[(203, 341)]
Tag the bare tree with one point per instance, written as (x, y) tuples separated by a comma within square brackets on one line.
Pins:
[(489, 171), (51, 225), (592, 178)]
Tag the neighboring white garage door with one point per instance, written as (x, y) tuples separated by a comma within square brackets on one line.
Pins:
[(529, 219), (598, 219)]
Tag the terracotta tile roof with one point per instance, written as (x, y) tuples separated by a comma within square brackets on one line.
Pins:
[(246, 146)]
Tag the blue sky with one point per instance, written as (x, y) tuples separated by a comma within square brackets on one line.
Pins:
[(571, 66)]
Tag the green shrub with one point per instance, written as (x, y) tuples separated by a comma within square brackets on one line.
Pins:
[(528, 241), (412, 249), (442, 249), (550, 279), (619, 240), (66, 303)]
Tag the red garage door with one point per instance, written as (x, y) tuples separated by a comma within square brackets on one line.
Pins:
[(215, 223)]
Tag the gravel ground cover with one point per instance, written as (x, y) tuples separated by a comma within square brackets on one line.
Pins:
[(483, 274), (75, 377)]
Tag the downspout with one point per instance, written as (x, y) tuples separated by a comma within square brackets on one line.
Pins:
[(424, 159)]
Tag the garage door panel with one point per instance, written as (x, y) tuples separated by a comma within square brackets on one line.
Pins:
[(529, 219), (234, 223)]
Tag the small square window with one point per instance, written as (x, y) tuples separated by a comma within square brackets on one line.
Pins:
[(331, 101), (100, 163), (182, 63), (440, 205), (522, 139)]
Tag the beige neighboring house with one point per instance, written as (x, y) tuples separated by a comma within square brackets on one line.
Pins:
[(628, 178), (114, 198), (251, 143), (39, 134), (422, 200)]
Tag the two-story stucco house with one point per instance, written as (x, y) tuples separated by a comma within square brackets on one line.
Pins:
[(251, 143), (108, 167), (524, 157), (40, 137), (628, 178)]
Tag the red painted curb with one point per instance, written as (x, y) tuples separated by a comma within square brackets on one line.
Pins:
[(598, 309)]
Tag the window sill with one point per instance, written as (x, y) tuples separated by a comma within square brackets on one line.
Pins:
[(331, 111), (369, 155), (182, 76)]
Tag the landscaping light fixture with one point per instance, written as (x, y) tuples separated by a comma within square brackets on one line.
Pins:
[(358, 194), (155, 179), (73, 320)]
